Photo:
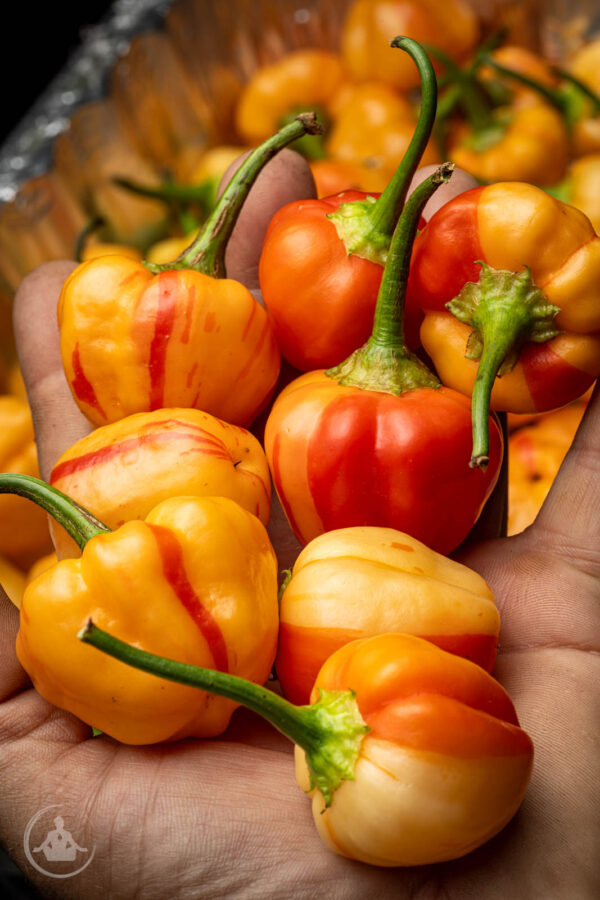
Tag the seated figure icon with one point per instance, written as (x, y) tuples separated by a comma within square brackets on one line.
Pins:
[(59, 844)]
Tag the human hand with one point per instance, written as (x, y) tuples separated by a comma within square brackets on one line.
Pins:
[(224, 818)]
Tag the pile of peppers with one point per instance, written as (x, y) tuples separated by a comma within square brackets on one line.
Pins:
[(383, 448)]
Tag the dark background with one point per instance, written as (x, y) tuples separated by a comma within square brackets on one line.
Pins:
[(37, 40)]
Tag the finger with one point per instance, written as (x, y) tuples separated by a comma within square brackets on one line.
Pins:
[(287, 177), (570, 515), (12, 677), (57, 421)]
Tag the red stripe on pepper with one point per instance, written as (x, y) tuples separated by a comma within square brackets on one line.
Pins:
[(211, 446), (550, 378), (174, 572), (163, 330), (82, 388)]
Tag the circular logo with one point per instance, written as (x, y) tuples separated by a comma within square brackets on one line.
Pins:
[(52, 848)]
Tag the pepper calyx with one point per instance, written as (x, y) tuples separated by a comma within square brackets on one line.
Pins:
[(503, 300), (340, 728), (352, 222), (505, 310), (389, 369)]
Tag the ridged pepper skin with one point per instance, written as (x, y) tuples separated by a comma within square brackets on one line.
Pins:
[(197, 581), (135, 342), (451, 26), (511, 226), (121, 471), (24, 533), (342, 456), (357, 582), (444, 767)]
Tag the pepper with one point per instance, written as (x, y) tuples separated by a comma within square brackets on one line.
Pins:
[(138, 337), (524, 139), (451, 26), (321, 262), (24, 534), (121, 471), (307, 78), (373, 127), (377, 440), (333, 176), (575, 100), (412, 755), (520, 272), (410, 589), (581, 187), (197, 578), (536, 452)]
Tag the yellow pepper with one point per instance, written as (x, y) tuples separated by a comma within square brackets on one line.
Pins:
[(24, 533), (527, 141), (581, 187), (411, 589), (122, 470), (301, 80), (369, 25), (137, 337), (197, 579), (374, 126)]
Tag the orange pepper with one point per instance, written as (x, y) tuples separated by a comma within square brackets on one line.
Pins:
[(411, 589), (374, 127), (122, 470), (137, 337), (369, 24), (508, 279), (300, 80), (527, 141), (333, 176), (574, 98), (412, 755), (24, 533), (198, 578)]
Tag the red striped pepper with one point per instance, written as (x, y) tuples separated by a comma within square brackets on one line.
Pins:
[(409, 587), (509, 279), (122, 470), (138, 336), (196, 579)]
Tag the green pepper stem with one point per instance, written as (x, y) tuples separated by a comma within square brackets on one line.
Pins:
[(78, 522), (466, 91), (82, 238), (366, 227), (329, 731), (206, 254), (384, 363), (505, 310)]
